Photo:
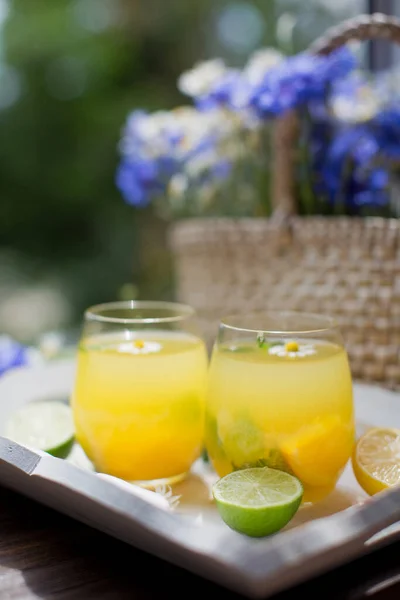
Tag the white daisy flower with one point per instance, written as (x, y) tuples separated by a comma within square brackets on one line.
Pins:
[(260, 62), (361, 107), (139, 347), (202, 78), (178, 186), (292, 350)]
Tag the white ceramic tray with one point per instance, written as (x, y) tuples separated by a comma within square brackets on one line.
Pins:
[(345, 525)]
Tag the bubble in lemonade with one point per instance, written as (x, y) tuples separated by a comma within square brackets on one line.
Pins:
[(139, 403), (286, 405)]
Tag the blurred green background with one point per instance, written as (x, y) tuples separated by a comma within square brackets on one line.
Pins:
[(70, 71)]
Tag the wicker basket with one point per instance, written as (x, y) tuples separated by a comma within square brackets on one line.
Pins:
[(342, 266)]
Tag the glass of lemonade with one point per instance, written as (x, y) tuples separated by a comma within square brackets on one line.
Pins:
[(280, 395), (139, 394)]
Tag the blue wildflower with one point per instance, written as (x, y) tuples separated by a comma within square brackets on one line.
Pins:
[(155, 148), (379, 179), (298, 80), (12, 354), (347, 168), (386, 126), (370, 198), (148, 161), (284, 86), (138, 181), (368, 191)]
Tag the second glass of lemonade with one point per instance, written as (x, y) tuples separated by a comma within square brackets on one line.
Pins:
[(280, 395), (139, 394)]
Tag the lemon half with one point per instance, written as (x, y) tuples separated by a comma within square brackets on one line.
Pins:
[(376, 459)]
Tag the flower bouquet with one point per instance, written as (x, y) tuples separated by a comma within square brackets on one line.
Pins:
[(280, 183)]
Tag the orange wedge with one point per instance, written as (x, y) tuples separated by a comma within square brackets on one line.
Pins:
[(319, 451)]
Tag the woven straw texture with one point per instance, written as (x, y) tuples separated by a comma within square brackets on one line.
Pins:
[(348, 268)]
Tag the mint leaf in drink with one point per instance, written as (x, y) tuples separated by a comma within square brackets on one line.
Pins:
[(261, 341), (264, 344)]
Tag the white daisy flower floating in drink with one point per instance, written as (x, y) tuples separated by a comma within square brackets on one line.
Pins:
[(139, 347), (292, 349)]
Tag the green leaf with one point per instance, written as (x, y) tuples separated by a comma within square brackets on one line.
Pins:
[(261, 343)]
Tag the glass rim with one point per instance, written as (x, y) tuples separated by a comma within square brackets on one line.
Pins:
[(328, 323), (179, 312)]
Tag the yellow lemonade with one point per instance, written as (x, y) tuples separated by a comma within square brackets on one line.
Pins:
[(139, 403), (287, 406)]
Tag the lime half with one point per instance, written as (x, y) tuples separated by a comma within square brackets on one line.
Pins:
[(46, 426), (257, 501)]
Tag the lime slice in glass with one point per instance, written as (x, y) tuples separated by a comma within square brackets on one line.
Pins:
[(257, 501), (46, 426), (243, 442)]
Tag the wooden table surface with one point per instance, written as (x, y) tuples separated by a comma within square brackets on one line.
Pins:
[(46, 555)]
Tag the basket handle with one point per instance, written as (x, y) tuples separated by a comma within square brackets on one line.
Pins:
[(364, 27)]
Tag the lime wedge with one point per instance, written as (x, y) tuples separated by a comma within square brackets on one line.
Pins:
[(257, 501), (46, 426)]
